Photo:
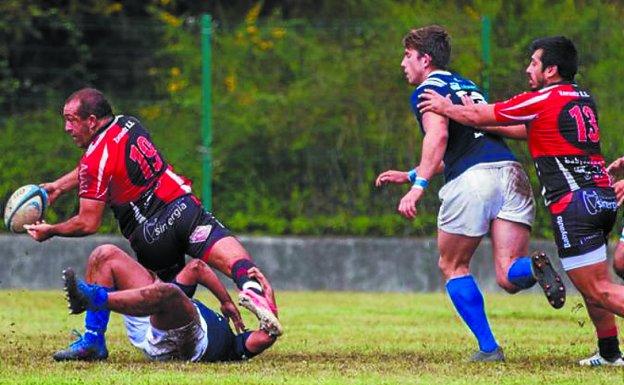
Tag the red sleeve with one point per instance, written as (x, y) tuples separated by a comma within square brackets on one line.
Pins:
[(94, 176), (520, 108)]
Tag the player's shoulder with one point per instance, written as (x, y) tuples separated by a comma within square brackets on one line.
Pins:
[(437, 80)]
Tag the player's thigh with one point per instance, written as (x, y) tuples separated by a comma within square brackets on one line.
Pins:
[(518, 202), (112, 267), (224, 253), (456, 251), (470, 202)]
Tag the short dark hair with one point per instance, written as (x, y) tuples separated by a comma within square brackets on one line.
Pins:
[(92, 102), (432, 40), (558, 51)]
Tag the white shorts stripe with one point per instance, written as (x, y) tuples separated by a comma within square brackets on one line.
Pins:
[(591, 258)]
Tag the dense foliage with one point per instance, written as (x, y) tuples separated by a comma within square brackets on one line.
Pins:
[(309, 99)]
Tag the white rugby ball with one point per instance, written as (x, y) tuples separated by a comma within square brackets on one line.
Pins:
[(26, 206)]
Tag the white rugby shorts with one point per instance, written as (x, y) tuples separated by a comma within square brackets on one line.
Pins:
[(482, 193), (187, 343)]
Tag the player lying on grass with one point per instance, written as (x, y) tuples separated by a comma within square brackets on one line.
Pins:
[(161, 320)]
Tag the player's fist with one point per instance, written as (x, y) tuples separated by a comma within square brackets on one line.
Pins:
[(407, 206), (615, 168)]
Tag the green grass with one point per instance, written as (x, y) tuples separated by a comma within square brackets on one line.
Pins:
[(331, 338)]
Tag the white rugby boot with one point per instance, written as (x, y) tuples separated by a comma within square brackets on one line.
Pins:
[(598, 360)]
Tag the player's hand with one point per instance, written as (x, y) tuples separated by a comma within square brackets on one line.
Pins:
[(391, 176), (619, 191), (40, 231), (431, 101), (256, 274), (53, 190), (407, 206), (616, 167), (230, 311)]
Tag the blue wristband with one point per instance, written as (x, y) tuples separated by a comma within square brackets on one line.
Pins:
[(420, 183), (411, 175)]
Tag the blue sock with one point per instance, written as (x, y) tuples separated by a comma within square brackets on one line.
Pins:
[(468, 301), (96, 321), (520, 273)]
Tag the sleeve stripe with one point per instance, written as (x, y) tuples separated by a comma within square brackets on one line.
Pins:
[(101, 167), (519, 118), (433, 82), (533, 100), (178, 180)]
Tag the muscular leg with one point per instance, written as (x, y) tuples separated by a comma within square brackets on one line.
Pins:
[(510, 240), (455, 254), (167, 305), (110, 266), (594, 283), (230, 257)]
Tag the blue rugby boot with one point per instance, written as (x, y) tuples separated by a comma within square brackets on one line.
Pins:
[(87, 347), (82, 296)]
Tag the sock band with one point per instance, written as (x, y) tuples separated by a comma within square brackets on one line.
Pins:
[(520, 273)]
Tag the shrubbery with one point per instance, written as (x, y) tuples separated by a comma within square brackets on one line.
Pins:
[(308, 111)]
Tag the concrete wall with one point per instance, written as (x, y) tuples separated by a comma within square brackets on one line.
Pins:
[(358, 264)]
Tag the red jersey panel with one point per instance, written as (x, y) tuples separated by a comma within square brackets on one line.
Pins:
[(123, 168), (563, 137)]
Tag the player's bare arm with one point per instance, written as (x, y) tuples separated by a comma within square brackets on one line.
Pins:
[(400, 177), (518, 131), (433, 148), (86, 222), (478, 115), (62, 185)]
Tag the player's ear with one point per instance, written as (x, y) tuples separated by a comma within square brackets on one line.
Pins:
[(551, 71)]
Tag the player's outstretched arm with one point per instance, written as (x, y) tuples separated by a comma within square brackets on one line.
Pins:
[(476, 115), (198, 272), (86, 222), (63, 184)]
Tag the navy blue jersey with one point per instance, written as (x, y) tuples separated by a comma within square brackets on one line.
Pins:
[(466, 145)]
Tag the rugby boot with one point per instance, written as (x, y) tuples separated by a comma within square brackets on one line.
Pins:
[(495, 356), (82, 296), (548, 278), (84, 348), (598, 360), (263, 309)]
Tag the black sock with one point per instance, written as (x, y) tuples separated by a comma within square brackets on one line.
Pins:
[(609, 348), (241, 278)]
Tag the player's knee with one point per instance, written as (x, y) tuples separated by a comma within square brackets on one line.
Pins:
[(166, 292), (195, 266), (102, 254), (597, 294), (451, 268)]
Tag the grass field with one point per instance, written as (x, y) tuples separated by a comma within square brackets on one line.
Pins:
[(331, 338)]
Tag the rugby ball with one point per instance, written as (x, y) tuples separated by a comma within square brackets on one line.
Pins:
[(26, 206)]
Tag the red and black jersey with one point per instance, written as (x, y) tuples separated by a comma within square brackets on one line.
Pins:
[(563, 137), (123, 168)]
